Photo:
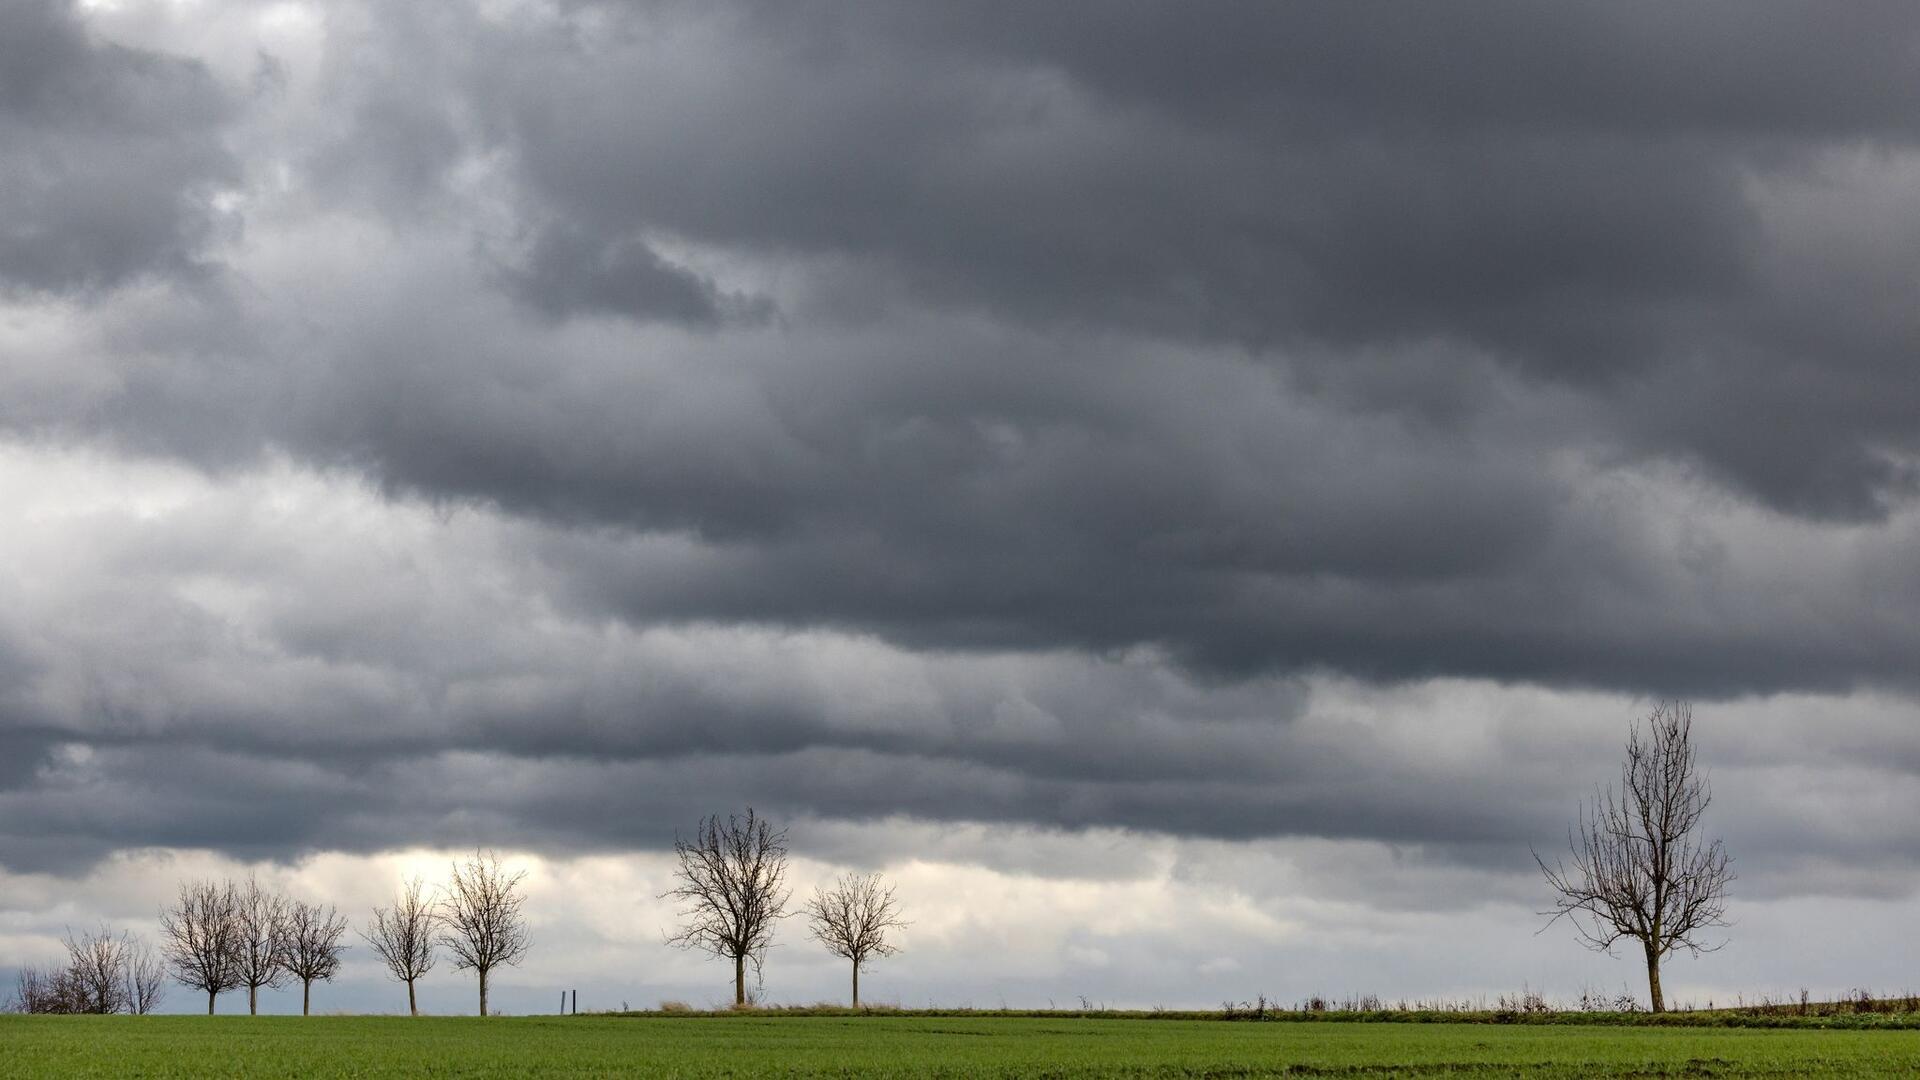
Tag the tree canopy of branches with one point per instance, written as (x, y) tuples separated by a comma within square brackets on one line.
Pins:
[(200, 937), (45, 991), (852, 919), (480, 918), (260, 941), (732, 889), (104, 973), (1639, 869), (403, 937), (97, 971), (146, 978), (314, 946)]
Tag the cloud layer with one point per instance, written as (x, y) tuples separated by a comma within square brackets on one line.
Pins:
[(542, 424)]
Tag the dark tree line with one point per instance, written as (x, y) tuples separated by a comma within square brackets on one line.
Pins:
[(1637, 870), (225, 935), (104, 973), (478, 918), (732, 887), (221, 936)]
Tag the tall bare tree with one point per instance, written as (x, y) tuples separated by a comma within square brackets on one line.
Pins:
[(403, 937), (853, 918), (1640, 870), (146, 979), (262, 943), (481, 920), (200, 936), (96, 970), (732, 890), (314, 946)]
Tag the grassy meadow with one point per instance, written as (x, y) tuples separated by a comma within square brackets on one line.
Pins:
[(921, 1045)]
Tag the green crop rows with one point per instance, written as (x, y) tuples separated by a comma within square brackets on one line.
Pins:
[(169, 1046)]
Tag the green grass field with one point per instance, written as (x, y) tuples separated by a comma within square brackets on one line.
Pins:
[(170, 1046)]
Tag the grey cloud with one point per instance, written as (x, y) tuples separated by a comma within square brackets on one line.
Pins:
[(566, 273), (1268, 393), (272, 683), (112, 155), (1111, 380), (1566, 189)]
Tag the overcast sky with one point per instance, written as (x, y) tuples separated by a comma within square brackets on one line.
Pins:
[(1193, 494)]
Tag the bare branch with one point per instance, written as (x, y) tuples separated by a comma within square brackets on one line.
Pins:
[(261, 942), (1639, 871), (200, 938), (853, 919), (733, 891), (403, 936), (146, 978), (480, 918), (314, 946), (96, 971)]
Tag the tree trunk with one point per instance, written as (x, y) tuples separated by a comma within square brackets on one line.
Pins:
[(210, 995), (740, 980), (1653, 981), (306, 997), (412, 1009), (253, 1001), (856, 984), (483, 991)]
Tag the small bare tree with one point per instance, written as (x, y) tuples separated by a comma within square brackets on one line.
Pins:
[(853, 918), (200, 936), (403, 937), (1639, 870), (46, 991), (145, 978), (314, 946), (96, 970), (262, 942), (733, 888), (481, 920)]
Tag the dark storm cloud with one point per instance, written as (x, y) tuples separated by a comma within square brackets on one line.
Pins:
[(1265, 340), (1185, 357), (566, 273), (274, 682), (1565, 187), (111, 155)]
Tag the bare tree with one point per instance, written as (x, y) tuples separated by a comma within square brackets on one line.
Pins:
[(1639, 869), (313, 947), (852, 919), (260, 950), (96, 970), (480, 918), (733, 888), (403, 936), (201, 938), (145, 978), (46, 991)]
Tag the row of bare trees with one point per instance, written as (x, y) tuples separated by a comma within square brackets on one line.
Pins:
[(732, 888), (221, 936), (479, 918), (1638, 871), (104, 973), (224, 935)]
